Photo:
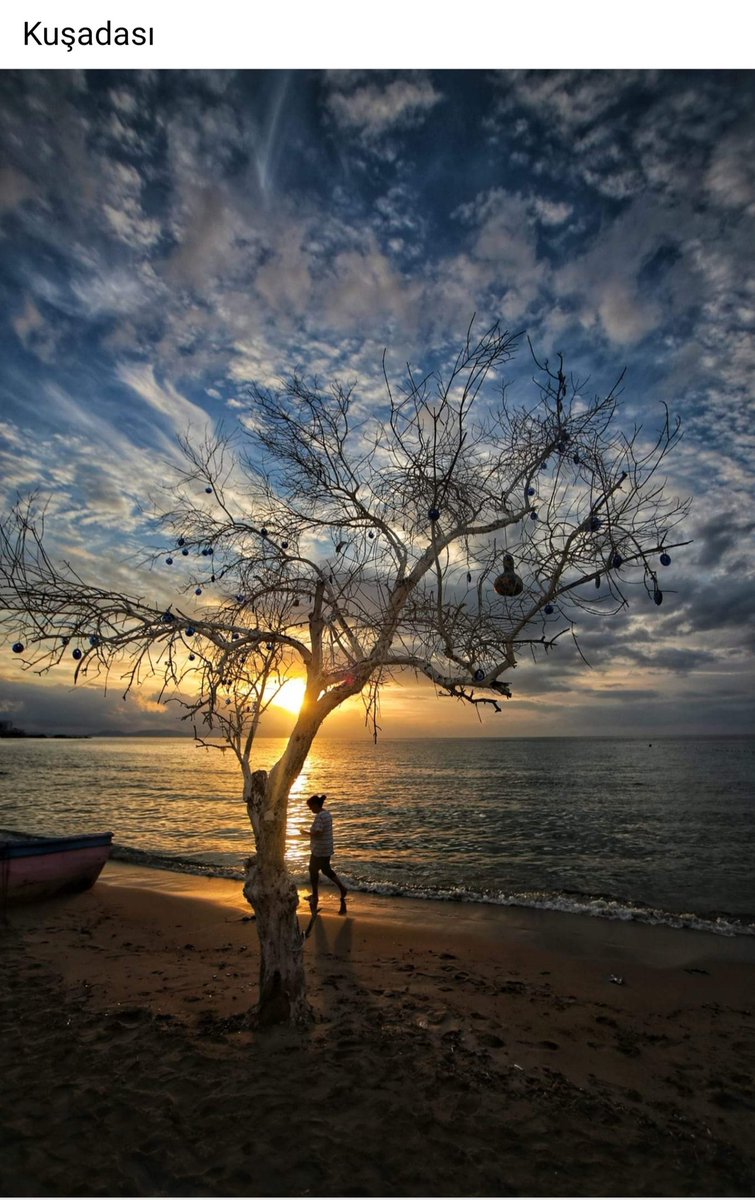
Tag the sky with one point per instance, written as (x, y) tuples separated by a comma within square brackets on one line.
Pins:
[(168, 237)]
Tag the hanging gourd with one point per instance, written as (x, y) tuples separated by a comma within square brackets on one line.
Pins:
[(17, 647), (665, 560), (508, 582)]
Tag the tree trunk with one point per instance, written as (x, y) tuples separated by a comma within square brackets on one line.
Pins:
[(272, 894), (274, 898)]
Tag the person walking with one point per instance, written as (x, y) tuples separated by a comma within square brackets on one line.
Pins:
[(321, 848)]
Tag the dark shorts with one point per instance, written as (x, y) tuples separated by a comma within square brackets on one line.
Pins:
[(318, 862)]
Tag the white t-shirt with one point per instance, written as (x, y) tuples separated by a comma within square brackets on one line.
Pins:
[(321, 834)]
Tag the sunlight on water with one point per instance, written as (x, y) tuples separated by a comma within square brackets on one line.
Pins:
[(538, 821)]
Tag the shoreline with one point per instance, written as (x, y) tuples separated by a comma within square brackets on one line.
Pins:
[(486, 1052)]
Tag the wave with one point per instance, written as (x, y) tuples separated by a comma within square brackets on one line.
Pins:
[(602, 906)]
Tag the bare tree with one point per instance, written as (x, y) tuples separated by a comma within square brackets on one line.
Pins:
[(441, 534)]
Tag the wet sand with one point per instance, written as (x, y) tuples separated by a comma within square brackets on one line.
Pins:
[(458, 1050)]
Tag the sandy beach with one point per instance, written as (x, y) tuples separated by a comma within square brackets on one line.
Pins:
[(458, 1050)]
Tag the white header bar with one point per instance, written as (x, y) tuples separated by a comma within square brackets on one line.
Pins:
[(399, 34)]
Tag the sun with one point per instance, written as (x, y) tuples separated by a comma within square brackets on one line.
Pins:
[(291, 695)]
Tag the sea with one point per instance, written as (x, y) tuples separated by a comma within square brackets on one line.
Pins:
[(661, 832)]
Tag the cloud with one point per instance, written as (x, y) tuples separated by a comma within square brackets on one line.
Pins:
[(373, 109)]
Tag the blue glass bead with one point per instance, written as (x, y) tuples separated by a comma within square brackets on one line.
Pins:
[(94, 640), (169, 561), (284, 545), (666, 560), (18, 647), (65, 641), (533, 516), (190, 631), (77, 653), (434, 514), (240, 599), (208, 490), (548, 610), (370, 535), (197, 591), (192, 657), (658, 596), (479, 675), (263, 533), (530, 491), (181, 541), (616, 561)]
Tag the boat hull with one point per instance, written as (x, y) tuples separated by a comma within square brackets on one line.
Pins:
[(33, 868)]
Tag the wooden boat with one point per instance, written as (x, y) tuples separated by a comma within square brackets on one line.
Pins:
[(33, 867)]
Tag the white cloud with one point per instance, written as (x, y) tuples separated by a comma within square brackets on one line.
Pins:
[(373, 110)]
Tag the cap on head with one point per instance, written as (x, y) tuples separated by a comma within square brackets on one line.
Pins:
[(317, 801)]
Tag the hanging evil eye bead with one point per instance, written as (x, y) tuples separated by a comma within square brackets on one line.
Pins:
[(576, 460), (263, 533), (530, 491), (658, 596), (234, 637), (192, 657), (479, 675), (190, 631), (597, 580), (197, 591), (185, 552), (240, 599), (533, 516), (469, 576), (665, 560), (77, 653), (209, 491), (549, 610), (17, 647), (370, 534), (269, 645), (616, 561), (64, 641), (434, 514), (94, 640), (181, 541)]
